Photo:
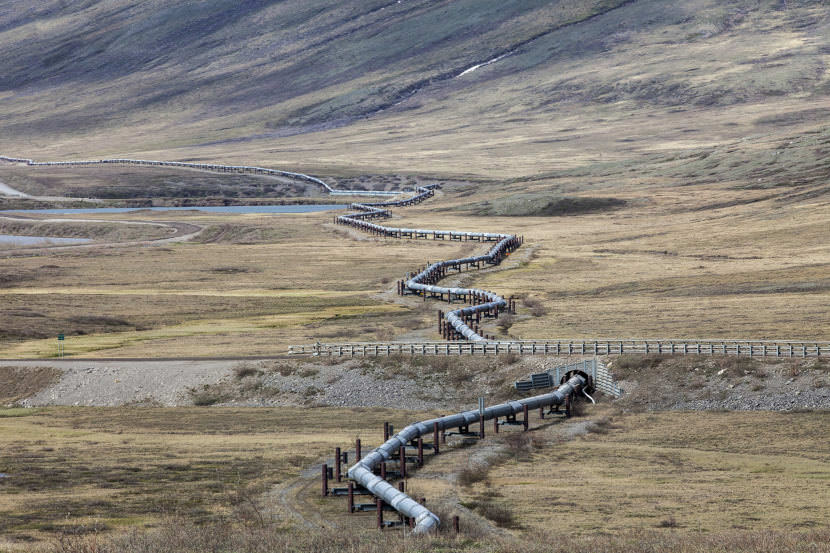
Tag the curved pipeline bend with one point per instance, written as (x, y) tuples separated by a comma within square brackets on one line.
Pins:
[(423, 282), (425, 520), (247, 169)]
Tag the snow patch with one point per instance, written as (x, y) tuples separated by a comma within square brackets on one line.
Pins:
[(477, 66)]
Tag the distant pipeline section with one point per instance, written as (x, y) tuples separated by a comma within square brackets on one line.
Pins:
[(216, 168), (423, 283), (363, 472)]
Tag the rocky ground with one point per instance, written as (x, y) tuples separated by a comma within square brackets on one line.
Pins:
[(419, 383), (713, 383), (115, 383)]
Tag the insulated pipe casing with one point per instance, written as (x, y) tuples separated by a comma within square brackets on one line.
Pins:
[(424, 519)]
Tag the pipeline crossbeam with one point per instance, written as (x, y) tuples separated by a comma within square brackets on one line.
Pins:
[(605, 346), (425, 520)]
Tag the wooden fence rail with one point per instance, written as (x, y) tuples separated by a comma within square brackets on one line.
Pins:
[(748, 348)]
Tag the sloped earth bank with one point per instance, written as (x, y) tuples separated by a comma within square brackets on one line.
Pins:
[(649, 382)]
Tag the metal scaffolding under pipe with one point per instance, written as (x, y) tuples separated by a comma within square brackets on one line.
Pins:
[(422, 282), (425, 520)]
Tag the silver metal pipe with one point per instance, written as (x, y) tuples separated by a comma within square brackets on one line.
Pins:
[(425, 520), (417, 283)]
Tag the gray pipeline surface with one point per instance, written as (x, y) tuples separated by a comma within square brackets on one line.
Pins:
[(363, 471), (424, 281)]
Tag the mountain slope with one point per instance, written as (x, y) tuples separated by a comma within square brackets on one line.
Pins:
[(360, 86)]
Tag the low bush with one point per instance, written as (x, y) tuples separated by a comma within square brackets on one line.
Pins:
[(245, 370)]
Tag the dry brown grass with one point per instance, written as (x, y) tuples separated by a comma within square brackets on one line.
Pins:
[(213, 298), (685, 472), (650, 270), (100, 232), (70, 470), (179, 536), (17, 383)]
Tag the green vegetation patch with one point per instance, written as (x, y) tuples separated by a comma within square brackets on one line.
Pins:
[(542, 205)]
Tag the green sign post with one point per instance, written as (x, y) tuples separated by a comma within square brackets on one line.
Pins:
[(60, 345)]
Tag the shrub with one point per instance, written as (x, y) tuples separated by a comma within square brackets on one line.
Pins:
[(505, 322), (471, 474), (501, 516), (245, 370), (670, 522), (204, 398), (535, 306)]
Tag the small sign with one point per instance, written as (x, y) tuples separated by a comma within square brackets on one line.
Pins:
[(60, 336)]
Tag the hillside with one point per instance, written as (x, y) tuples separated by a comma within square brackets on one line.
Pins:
[(358, 87)]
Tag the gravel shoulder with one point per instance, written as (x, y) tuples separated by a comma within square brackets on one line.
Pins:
[(116, 383), (650, 384)]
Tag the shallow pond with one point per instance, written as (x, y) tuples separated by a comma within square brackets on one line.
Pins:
[(11, 240)]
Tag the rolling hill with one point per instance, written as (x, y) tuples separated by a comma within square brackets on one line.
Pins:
[(466, 88)]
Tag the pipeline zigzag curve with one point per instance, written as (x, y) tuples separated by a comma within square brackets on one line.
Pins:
[(484, 302), (425, 520), (423, 283)]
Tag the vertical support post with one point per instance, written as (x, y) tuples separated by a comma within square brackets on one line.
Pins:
[(325, 480), (541, 412), (357, 455), (495, 425), (435, 447), (526, 420), (402, 453), (481, 418), (456, 524), (379, 507), (383, 470), (385, 431), (351, 497), (337, 461), (420, 451)]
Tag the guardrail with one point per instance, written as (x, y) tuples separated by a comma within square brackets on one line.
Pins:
[(748, 348)]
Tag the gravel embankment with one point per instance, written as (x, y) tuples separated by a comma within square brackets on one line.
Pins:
[(674, 384), (119, 383)]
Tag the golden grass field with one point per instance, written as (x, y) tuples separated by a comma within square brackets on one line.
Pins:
[(121, 468), (675, 474), (708, 262)]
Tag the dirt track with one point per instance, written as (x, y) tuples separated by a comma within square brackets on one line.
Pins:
[(183, 233)]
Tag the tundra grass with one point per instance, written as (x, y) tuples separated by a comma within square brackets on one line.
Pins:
[(106, 469), (217, 296), (686, 473), (708, 262)]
